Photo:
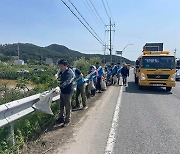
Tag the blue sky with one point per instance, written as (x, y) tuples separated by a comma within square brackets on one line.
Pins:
[(43, 22)]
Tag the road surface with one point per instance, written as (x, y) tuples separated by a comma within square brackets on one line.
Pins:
[(126, 120)]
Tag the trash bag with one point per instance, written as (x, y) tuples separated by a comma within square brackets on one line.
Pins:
[(103, 85), (44, 103), (115, 79), (91, 85)]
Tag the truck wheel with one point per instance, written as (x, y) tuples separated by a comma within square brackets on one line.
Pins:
[(140, 87), (168, 88)]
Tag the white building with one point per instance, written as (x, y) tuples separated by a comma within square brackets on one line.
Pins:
[(18, 62)]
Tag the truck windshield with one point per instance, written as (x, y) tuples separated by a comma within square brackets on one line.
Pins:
[(161, 62)]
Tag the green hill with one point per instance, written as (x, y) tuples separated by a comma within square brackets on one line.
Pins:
[(32, 53)]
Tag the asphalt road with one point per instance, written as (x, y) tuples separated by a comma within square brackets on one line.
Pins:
[(146, 122), (149, 121), (91, 132)]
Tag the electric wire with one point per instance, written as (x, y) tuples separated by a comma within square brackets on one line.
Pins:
[(99, 40), (97, 12), (98, 22), (84, 20), (109, 9), (105, 9)]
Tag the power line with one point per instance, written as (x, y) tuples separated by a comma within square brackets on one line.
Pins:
[(93, 13), (84, 20), (99, 40), (109, 9), (97, 12), (105, 9), (109, 15)]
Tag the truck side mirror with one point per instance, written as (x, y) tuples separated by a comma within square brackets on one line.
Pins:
[(137, 63)]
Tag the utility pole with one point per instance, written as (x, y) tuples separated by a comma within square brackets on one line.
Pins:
[(104, 53), (110, 48), (123, 50), (110, 38), (175, 52), (104, 49)]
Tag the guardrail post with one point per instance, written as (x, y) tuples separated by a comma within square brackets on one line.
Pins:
[(11, 135)]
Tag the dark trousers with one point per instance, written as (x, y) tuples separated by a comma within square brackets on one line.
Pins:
[(93, 92), (108, 80), (124, 80), (81, 90), (118, 78), (65, 107), (98, 86)]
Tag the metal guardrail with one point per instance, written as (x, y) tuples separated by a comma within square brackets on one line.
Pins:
[(3, 120), (15, 110), (12, 111)]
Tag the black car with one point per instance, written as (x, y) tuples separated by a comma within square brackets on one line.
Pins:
[(178, 75)]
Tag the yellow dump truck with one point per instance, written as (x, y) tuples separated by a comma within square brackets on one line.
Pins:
[(155, 68)]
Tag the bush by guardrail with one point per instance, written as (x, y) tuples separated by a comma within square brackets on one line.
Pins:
[(14, 75), (25, 127)]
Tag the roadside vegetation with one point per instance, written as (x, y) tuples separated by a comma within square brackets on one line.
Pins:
[(32, 126)]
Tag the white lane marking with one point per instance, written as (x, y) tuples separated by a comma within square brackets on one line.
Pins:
[(112, 134)]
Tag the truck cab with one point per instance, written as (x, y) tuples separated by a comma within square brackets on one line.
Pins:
[(155, 69)]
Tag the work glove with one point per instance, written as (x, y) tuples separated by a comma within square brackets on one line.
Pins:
[(57, 90), (56, 76)]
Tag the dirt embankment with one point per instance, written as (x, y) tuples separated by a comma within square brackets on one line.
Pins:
[(58, 136), (13, 83)]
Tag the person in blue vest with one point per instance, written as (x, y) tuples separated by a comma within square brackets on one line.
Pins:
[(118, 72), (100, 72), (109, 74), (114, 71), (80, 88), (92, 77)]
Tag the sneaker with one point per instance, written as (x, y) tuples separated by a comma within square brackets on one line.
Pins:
[(77, 107), (59, 121), (66, 123), (99, 91), (85, 108)]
